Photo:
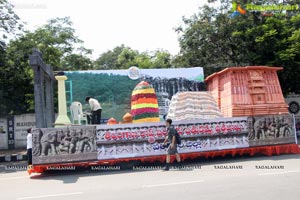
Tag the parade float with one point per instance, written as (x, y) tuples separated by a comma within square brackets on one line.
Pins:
[(242, 113)]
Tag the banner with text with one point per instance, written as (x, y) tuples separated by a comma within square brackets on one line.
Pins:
[(103, 142), (136, 140)]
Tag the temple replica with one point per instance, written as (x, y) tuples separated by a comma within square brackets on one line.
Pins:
[(247, 91)]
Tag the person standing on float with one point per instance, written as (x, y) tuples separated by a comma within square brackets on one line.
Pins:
[(96, 110)]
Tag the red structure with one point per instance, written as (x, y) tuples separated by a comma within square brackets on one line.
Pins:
[(247, 91), (264, 150)]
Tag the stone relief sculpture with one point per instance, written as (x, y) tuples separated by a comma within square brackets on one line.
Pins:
[(60, 141)]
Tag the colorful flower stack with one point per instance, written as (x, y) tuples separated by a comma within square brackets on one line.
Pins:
[(144, 105)]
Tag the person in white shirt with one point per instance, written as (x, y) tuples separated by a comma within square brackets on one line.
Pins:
[(96, 110), (29, 146)]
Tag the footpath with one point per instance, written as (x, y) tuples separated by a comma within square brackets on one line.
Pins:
[(13, 155)]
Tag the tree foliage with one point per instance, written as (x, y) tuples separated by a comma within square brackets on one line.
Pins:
[(108, 60), (10, 25), (57, 42), (10, 22), (214, 39), (123, 57)]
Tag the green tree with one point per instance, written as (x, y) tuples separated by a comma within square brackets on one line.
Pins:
[(123, 57), (77, 62), (109, 59), (142, 60), (162, 59), (207, 39), (10, 22), (10, 26), (214, 39), (57, 42), (127, 57)]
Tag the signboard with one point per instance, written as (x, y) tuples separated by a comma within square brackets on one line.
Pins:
[(186, 128), (10, 132), (138, 140), (21, 124), (3, 133)]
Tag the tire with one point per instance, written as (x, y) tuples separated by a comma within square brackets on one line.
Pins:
[(294, 107)]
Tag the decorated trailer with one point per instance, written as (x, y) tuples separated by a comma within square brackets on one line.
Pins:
[(256, 119), (116, 144)]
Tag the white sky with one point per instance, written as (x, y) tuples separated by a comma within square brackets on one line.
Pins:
[(144, 25)]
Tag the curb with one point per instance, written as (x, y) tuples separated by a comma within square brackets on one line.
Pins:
[(13, 157)]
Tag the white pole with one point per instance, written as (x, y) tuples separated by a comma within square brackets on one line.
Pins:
[(294, 121), (62, 118)]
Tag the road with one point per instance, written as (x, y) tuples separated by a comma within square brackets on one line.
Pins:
[(222, 178)]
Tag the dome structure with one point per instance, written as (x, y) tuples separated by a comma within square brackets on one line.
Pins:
[(193, 105)]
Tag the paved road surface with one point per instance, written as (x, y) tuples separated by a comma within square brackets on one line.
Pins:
[(201, 180)]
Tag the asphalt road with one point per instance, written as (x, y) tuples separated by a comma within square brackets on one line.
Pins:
[(265, 178)]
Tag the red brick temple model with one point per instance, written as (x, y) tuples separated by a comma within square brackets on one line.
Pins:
[(247, 91)]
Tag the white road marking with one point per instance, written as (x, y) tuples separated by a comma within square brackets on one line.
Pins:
[(50, 195), (274, 173), (169, 184), (12, 178)]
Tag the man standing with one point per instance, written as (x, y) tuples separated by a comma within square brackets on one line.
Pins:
[(172, 141), (96, 109), (29, 146)]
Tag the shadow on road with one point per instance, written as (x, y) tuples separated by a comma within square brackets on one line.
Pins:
[(72, 176), (228, 159)]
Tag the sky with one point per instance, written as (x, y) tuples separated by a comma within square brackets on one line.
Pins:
[(144, 25)]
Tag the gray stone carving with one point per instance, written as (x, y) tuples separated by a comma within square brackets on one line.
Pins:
[(74, 143)]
